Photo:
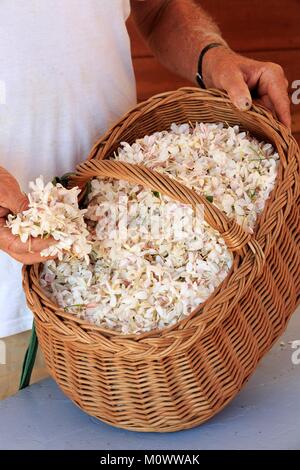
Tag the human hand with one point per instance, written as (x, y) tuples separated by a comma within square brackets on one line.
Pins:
[(13, 200), (239, 76)]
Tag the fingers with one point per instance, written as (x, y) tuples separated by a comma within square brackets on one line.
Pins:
[(237, 89), (15, 202), (277, 87), (4, 212), (38, 244), (267, 103), (12, 244), (238, 75), (272, 87), (29, 258), (11, 196), (222, 70), (19, 203)]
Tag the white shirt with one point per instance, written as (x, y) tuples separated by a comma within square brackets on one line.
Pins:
[(65, 77)]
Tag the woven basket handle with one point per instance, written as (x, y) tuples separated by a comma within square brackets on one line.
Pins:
[(233, 234)]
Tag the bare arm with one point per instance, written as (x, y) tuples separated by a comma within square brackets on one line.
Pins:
[(177, 30)]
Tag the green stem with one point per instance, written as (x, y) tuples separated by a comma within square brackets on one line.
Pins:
[(29, 359)]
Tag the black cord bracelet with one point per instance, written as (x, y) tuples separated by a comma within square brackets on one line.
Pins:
[(199, 76)]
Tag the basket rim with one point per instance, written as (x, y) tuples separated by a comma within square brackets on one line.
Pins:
[(281, 136)]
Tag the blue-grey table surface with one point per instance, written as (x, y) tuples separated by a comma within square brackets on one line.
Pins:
[(265, 415)]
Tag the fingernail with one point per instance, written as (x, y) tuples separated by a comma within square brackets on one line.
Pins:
[(243, 104)]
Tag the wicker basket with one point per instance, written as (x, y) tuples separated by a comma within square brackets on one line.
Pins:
[(177, 378)]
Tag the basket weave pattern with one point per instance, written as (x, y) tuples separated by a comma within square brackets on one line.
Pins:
[(178, 377)]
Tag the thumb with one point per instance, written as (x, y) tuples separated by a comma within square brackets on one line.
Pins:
[(19, 203), (3, 212), (237, 90), (11, 196)]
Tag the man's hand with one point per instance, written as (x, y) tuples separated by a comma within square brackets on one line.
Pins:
[(238, 75), (178, 30), (13, 200)]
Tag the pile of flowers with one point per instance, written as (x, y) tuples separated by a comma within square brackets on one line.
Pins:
[(142, 274), (232, 168), (140, 281)]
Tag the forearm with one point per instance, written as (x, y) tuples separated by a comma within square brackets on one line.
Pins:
[(176, 31)]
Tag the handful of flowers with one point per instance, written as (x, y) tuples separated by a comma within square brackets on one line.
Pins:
[(134, 278), (53, 211)]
